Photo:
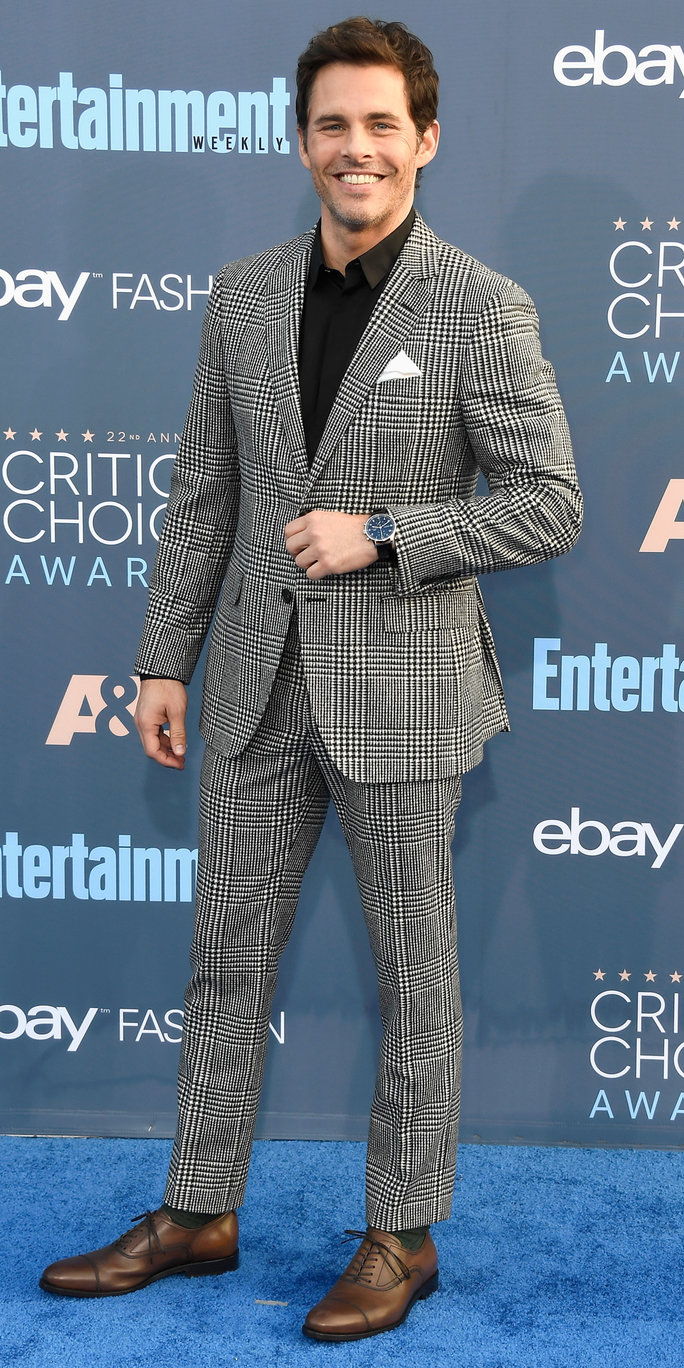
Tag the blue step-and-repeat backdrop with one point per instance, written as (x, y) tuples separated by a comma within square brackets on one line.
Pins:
[(140, 148)]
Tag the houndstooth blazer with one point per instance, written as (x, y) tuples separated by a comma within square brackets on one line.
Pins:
[(399, 660)]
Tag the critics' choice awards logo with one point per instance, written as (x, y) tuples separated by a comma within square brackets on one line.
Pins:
[(62, 494), (638, 1050), (646, 269), (119, 118), (166, 292), (133, 1025), (600, 681)]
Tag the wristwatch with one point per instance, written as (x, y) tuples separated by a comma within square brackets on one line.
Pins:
[(381, 529)]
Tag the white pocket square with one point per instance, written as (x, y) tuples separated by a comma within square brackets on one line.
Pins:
[(399, 368)]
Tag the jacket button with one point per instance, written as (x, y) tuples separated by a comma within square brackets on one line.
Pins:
[(287, 596)]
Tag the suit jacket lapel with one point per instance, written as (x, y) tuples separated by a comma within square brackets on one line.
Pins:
[(285, 300), (404, 299)]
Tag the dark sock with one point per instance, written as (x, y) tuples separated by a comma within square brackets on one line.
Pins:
[(192, 1220), (412, 1239)]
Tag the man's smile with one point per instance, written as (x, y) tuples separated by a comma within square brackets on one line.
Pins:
[(358, 177)]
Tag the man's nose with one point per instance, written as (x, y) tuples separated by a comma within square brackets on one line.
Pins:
[(357, 143)]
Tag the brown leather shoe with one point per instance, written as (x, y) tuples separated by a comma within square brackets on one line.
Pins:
[(377, 1290), (154, 1249)]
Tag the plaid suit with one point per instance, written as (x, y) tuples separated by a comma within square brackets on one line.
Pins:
[(389, 672)]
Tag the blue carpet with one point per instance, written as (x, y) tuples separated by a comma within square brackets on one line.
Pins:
[(554, 1259)]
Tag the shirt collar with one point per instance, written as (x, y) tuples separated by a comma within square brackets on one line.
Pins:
[(377, 262)]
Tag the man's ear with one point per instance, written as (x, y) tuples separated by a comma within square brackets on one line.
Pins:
[(427, 147), (303, 155)]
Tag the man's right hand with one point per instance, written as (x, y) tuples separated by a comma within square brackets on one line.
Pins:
[(160, 719)]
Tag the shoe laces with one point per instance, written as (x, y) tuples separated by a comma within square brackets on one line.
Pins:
[(363, 1267), (146, 1219)]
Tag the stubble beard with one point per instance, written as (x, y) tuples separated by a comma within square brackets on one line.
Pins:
[(354, 223), (354, 220)]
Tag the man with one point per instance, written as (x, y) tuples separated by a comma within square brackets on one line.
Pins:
[(351, 386)]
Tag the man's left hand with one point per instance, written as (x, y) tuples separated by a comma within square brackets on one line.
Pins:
[(325, 542)]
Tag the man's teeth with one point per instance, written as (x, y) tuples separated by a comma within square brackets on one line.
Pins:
[(359, 180)]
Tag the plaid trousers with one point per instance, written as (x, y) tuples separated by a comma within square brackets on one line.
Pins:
[(261, 814)]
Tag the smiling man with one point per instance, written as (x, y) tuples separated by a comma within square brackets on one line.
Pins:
[(351, 386)]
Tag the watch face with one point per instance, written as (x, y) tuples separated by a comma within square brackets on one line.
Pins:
[(380, 527)]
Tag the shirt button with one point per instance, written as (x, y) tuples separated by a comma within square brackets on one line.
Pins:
[(287, 596)]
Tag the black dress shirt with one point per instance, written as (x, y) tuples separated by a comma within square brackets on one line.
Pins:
[(336, 310)]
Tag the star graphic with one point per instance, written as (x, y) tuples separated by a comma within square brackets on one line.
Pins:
[(35, 435), (9, 434), (88, 436), (676, 977), (625, 976), (61, 435), (600, 974), (673, 223), (646, 224), (619, 224), (650, 976)]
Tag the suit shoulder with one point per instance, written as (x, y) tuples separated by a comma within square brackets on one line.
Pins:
[(482, 284), (474, 282), (251, 271)]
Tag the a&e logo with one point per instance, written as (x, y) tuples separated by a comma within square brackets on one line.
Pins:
[(95, 704)]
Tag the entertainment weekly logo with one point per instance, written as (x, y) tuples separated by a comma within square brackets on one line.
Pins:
[(118, 118), (637, 1053), (77, 871), (602, 682)]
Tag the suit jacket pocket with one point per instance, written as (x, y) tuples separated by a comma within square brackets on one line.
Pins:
[(231, 593), (446, 611)]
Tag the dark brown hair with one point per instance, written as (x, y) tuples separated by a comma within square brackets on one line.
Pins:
[(368, 42)]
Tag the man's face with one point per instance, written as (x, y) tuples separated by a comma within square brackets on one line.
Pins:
[(362, 147)]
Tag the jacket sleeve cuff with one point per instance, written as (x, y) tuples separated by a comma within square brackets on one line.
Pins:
[(426, 548), (142, 676), (166, 652)]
